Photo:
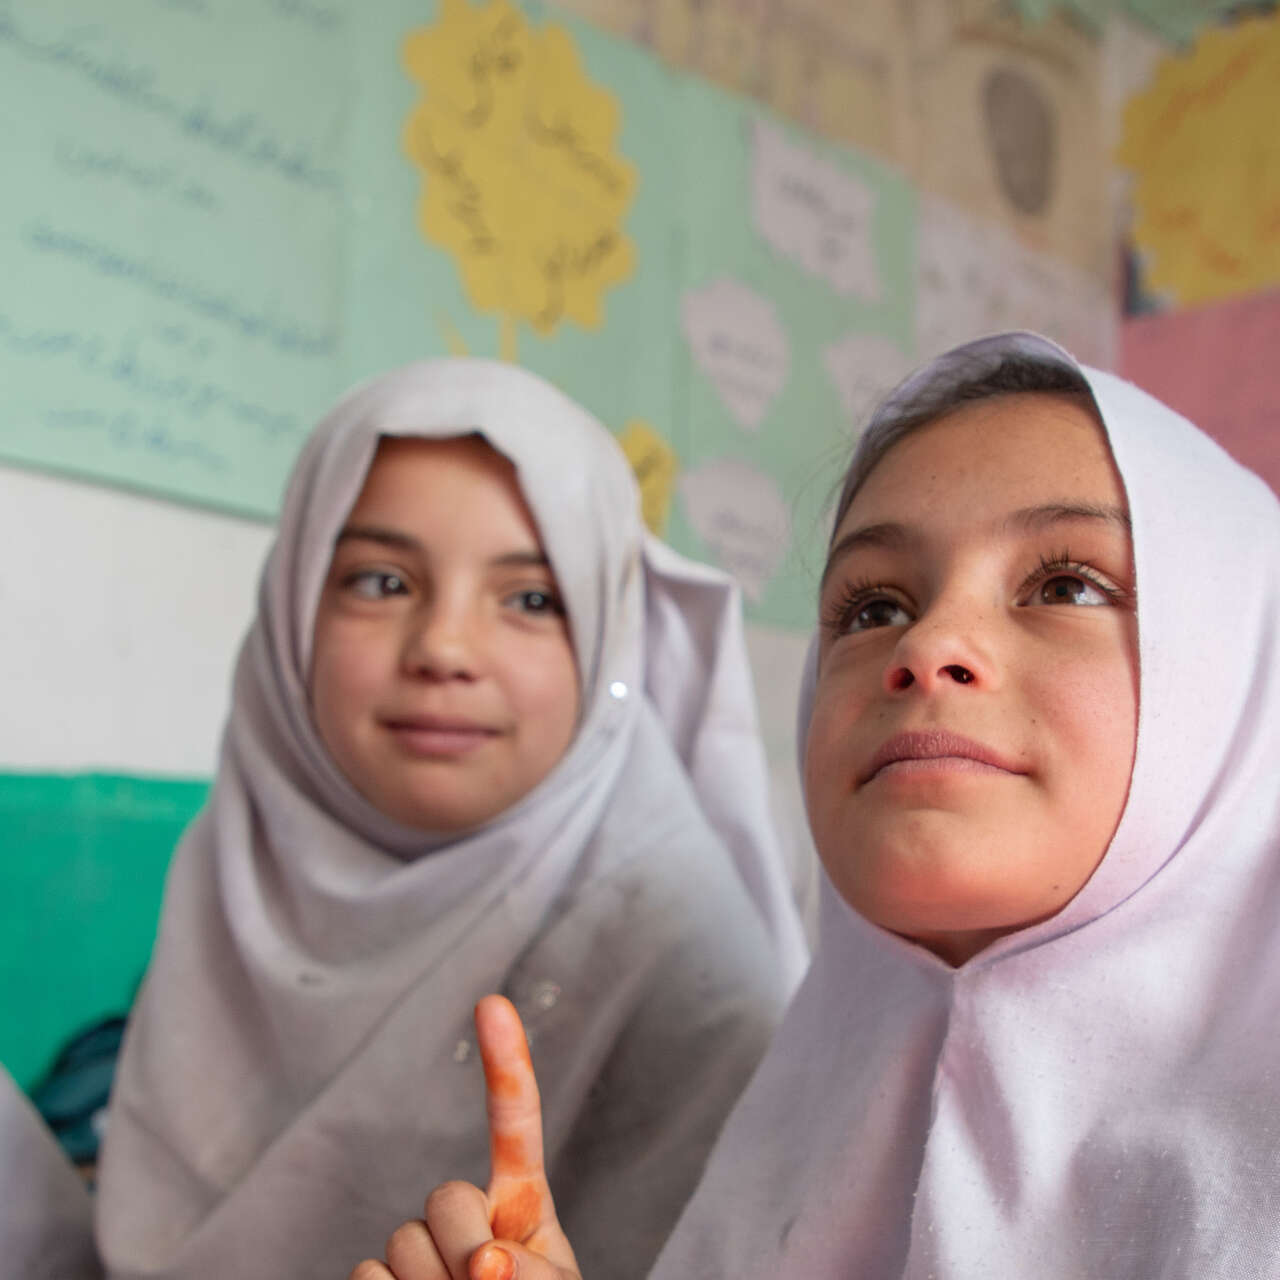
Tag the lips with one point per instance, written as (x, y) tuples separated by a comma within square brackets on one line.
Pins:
[(438, 737), (921, 749)]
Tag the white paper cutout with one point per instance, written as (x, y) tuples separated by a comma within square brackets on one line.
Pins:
[(974, 278), (863, 367), (814, 214), (739, 344), (739, 513)]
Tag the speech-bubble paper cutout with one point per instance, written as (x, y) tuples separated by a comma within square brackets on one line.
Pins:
[(739, 513), (814, 214), (863, 367), (738, 342)]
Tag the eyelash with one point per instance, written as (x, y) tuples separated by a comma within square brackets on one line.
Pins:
[(361, 577), (855, 596), (554, 605), (1065, 565)]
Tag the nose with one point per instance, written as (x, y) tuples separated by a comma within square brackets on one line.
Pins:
[(948, 645), (441, 642)]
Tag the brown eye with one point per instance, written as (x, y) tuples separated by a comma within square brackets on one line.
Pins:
[(375, 584), (864, 607), (1068, 589), (881, 612), (537, 601)]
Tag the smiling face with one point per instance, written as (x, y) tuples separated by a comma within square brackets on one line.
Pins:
[(443, 680), (975, 713)]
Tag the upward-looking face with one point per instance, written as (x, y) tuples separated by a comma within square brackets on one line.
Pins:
[(975, 714), (443, 681)]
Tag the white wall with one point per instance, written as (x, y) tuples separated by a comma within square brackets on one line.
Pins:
[(122, 615)]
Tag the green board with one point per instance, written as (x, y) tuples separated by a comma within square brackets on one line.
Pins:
[(82, 872)]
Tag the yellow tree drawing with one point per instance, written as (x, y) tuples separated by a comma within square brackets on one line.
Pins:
[(655, 465), (521, 181), (1204, 146)]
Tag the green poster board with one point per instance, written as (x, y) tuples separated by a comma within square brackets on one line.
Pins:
[(211, 227)]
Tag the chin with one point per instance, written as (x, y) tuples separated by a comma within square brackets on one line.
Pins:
[(937, 902), (428, 814), (444, 823)]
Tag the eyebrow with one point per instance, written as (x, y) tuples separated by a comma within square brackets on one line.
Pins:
[(893, 536), (1033, 519), (375, 533), (886, 534), (407, 542)]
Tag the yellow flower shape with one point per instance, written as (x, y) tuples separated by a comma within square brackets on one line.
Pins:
[(521, 182), (1204, 147), (655, 465)]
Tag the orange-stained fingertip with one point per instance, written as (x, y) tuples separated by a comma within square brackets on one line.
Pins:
[(492, 1262)]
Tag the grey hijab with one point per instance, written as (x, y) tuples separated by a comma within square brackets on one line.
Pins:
[(298, 1061)]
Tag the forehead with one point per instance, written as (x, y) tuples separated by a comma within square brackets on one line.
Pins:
[(419, 479), (416, 456), (992, 456)]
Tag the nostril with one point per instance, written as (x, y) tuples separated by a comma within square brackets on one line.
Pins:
[(901, 679), (961, 675)]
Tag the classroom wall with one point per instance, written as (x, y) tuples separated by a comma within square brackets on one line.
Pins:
[(124, 613), (733, 348)]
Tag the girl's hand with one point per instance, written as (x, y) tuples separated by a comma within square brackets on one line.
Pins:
[(512, 1232)]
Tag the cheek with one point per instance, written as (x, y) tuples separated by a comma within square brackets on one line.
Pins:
[(344, 673), (838, 729), (839, 722), (545, 690), (1090, 710)]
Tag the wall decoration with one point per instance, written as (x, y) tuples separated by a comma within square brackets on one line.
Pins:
[(1203, 147), (741, 515), (521, 180), (656, 467), (1007, 127), (737, 341)]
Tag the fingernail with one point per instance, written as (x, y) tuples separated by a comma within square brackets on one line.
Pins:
[(492, 1262)]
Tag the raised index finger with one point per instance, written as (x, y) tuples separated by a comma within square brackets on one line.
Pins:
[(519, 1198)]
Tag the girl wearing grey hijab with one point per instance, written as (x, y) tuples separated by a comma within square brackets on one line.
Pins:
[(487, 734)]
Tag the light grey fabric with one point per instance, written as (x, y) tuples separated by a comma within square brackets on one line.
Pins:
[(46, 1217), (1097, 1095), (298, 1071)]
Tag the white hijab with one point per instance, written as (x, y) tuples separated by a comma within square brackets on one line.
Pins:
[(316, 961), (1098, 1094)]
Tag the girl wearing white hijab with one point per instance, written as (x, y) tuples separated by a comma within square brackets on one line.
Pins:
[(1041, 728), (486, 734)]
